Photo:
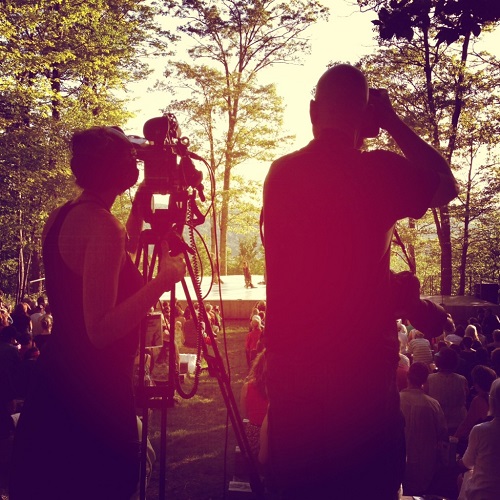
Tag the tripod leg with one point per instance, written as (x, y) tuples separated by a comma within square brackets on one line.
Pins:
[(216, 368)]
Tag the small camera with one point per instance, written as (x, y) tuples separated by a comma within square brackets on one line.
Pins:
[(371, 127)]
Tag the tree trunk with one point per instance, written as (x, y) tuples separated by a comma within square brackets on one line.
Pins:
[(20, 273), (446, 257), (465, 241), (224, 222)]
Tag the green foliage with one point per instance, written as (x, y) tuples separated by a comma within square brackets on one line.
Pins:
[(428, 103), (61, 63), (451, 19), (234, 116)]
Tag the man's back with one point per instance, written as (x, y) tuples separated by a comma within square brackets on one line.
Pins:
[(329, 213)]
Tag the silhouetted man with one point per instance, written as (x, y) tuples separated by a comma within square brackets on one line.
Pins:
[(335, 429)]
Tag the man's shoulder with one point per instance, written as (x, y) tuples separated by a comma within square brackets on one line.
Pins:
[(383, 158), (291, 158)]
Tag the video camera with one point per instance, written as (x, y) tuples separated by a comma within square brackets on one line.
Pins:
[(371, 127), (168, 170), (160, 149)]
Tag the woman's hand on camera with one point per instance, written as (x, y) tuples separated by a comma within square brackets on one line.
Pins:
[(141, 206), (172, 268)]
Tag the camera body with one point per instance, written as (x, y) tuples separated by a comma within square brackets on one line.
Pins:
[(169, 172), (371, 127), (157, 150)]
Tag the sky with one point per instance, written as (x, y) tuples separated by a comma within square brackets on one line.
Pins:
[(346, 36)]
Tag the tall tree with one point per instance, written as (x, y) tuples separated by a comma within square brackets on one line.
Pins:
[(479, 197), (61, 63), (239, 39), (427, 103), (438, 24), (256, 135)]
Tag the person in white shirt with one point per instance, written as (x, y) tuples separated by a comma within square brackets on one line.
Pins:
[(482, 457)]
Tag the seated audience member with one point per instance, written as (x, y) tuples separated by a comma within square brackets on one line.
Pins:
[(482, 378), (20, 318), (420, 349), (480, 335), (253, 400), (190, 330), (44, 335), (495, 360), (482, 457), (9, 366), (490, 323), (403, 337), (449, 388), (252, 339), (496, 341), (457, 336), (425, 429), (482, 356), (5, 319), (25, 341), (402, 370), (471, 331), (402, 373), (468, 355), (212, 318), (26, 372), (262, 316)]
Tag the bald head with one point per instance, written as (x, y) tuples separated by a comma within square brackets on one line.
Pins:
[(340, 99)]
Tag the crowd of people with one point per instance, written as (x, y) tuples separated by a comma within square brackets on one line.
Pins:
[(24, 330), (447, 395)]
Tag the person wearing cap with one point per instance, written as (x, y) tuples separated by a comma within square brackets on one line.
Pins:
[(78, 427), (329, 212)]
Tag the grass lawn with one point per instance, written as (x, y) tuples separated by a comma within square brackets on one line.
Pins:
[(196, 430)]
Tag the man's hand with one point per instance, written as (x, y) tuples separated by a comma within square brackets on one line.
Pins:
[(386, 116)]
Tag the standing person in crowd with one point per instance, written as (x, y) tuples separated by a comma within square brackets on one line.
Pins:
[(80, 414), (449, 388), (21, 320), (329, 211), (254, 401), (425, 431), (37, 314)]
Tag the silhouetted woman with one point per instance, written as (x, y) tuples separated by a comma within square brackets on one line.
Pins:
[(78, 431)]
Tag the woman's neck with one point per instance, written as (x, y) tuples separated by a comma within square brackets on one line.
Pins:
[(104, 198)]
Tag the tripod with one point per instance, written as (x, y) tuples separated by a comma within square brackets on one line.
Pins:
[(162, 397)]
